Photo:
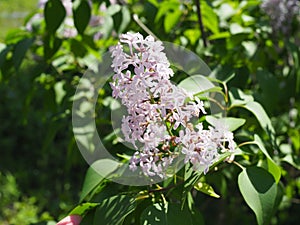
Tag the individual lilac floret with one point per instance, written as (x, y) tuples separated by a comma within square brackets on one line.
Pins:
[(158, 110)]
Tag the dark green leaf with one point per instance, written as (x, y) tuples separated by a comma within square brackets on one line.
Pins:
[(273, 168), (3, 53), (78, 48), (20, 50), (81, 14), (88, 218), (197, 218), (113, 210), (168, 214), (269, 88), (51, 46), (239, 99), (54, 15)]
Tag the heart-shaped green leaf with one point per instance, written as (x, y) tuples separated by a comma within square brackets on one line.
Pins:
[(54, 15), (82, 15), (259, 190)]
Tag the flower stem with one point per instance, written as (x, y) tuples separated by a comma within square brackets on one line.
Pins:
[(143, 26)]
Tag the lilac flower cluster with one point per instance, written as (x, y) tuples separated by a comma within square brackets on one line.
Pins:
[(203, 147), (281, 13), (159, 111)]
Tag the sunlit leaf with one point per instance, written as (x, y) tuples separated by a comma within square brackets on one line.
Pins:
[(210, 19), (83, 208), (250, 47), (113, 9), (220, 35), (164, 7), (193, 35), (239, 98), (225, 11), (259, 190), (16, 35), (236, 28), (206, 189), (98, 171), (60, 93), (230, 123), (171, 19), (261, 116), (196, 84)]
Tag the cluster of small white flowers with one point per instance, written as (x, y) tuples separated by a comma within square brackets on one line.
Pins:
[(281, 13), (203, 147), (157, 108)]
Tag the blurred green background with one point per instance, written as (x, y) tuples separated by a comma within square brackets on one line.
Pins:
[(13, 12)]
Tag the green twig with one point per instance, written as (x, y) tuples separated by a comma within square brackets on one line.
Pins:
[(143, 26), (246, 143), (239, 165)]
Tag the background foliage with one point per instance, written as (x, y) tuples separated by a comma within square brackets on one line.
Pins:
[(41, 169)]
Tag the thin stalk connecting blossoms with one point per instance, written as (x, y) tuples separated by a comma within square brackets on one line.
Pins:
[(159, 117)]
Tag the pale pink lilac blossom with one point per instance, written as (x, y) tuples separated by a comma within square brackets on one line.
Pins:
[(157, 108), (70, 220)]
